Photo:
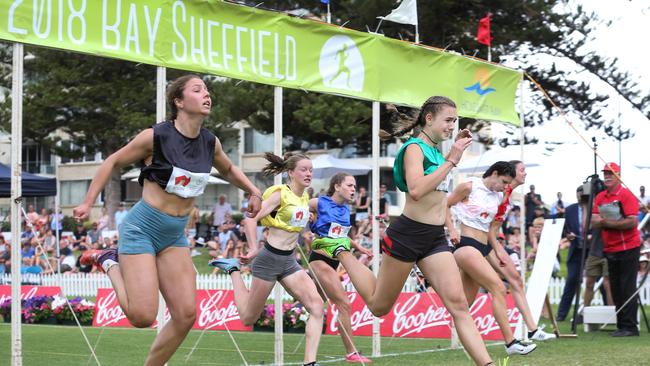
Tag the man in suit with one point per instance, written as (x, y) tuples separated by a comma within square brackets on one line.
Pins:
[(575, 216)]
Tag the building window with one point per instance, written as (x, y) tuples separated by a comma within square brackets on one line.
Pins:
[(256, 142), (84, 155), (73, 191), (37, 159)]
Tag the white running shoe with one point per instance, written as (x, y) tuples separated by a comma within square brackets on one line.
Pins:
[(541, 335), (518, 348)]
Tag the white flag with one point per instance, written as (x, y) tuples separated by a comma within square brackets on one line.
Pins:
[(406, 13)]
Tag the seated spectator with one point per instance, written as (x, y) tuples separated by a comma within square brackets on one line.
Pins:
[(103, 221), (27, 253), (56, 223), (93, 235), (79, 235), (43, 219), (32, 215), (244, 203), (68, 261), (214, 246), (120, 214)]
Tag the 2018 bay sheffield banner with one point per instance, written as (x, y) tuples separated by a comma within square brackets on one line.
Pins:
[(261, 46)]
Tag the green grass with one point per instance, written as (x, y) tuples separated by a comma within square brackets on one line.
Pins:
[(64, 345)]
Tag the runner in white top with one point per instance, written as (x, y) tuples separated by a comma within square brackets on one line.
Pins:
[(476, 203)]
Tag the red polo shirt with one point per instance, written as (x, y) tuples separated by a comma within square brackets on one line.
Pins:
[(619, 240)]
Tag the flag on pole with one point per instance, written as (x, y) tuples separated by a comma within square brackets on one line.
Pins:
[(483, 33), (405, 13)]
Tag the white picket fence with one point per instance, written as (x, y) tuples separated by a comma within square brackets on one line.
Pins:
[(86, 284)]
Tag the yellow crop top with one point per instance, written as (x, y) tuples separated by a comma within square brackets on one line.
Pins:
[(292, 214)]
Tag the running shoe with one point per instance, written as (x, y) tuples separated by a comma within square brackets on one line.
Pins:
[(356, 357), (89, 257), (330, 247), (228, 265), (104, 259), (519, 348), (541, 335)]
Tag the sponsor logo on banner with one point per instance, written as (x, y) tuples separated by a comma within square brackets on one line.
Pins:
[(27, 292), (216, 310), (108, 312), (481, 85), (341, 64), (360, 317), (421, 316)]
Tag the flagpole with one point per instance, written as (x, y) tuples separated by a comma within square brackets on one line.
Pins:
[(489, 54), (329, 15), (417, 35)]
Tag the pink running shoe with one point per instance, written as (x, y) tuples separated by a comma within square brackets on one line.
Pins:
[(356, 357)]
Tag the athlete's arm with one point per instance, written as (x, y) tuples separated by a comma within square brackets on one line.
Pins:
[(137, 149), (459, 194)]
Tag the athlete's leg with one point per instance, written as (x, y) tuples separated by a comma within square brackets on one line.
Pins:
[(472, 262), (510, 273), (178, 286), (441, 271), (328, 278), (380, 293), (250, 302), (135, 281), (302, 287)]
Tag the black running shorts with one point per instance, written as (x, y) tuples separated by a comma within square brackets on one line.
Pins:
[(465, 241), (409, 241), (314, 256)]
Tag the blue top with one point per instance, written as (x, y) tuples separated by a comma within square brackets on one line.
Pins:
[(333, 219), (432, 160)]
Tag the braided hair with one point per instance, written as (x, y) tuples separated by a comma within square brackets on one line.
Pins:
[(403, 123)]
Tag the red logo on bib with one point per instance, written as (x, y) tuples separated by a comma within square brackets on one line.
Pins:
[(299, 215), (182, 180)]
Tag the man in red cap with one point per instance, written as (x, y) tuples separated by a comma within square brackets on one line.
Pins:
[(615, 213)]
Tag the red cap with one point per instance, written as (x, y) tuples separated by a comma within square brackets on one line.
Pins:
[(612, 167)]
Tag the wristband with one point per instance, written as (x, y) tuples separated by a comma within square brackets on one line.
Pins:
[(256, 195)]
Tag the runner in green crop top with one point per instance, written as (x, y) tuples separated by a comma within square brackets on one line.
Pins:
[(417, 237), (433, 159)]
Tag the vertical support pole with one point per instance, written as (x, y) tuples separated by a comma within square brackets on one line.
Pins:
[(161, 83), (277, 150), (16, 205), (522, 253), (376, 335)]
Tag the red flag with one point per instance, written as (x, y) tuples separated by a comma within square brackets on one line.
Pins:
[(483, 34)]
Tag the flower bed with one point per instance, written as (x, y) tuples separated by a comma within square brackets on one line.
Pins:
[(293, 319), (44, 309)]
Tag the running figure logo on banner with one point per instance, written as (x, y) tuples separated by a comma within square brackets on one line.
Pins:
[(341, 64)]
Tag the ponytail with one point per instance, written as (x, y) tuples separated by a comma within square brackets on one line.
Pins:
[(277, 165), (403, 123)]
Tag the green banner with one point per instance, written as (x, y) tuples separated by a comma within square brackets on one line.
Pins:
[(245, 43)]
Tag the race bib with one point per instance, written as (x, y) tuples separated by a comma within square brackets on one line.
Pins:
[(184, 183), (300, 217), (338, 231)]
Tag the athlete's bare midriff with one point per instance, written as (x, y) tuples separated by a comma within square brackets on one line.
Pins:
[(282, 239), (476, 234), (430, 209), (168, 203)]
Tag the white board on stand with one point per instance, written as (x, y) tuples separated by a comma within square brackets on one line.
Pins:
[(540, 278)]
